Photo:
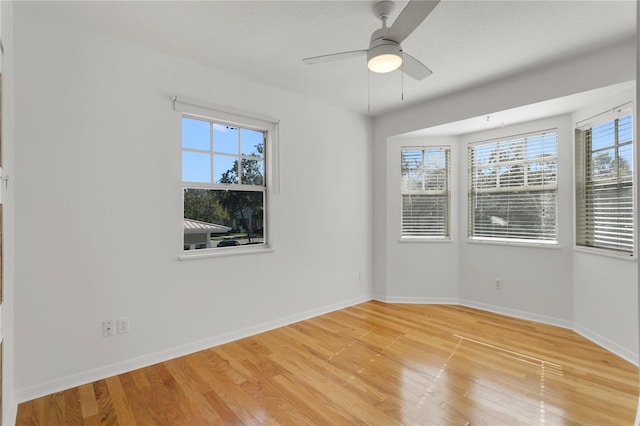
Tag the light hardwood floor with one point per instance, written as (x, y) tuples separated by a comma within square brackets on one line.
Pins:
[(373, 363)]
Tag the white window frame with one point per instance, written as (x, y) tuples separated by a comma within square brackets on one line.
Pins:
[(447, 192), (507, 189), (199, 110), (581, 152)]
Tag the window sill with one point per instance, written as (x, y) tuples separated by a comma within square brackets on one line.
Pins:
[(515, 243), (424, 240), (221, 252), (606, 253)]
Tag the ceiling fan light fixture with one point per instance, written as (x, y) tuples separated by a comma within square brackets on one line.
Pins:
[(384, 58)]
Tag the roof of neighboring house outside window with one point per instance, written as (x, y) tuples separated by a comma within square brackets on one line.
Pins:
[(192, 226)]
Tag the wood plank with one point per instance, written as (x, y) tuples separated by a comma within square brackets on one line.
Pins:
[(120, 402), (372, 363), (88, 404)]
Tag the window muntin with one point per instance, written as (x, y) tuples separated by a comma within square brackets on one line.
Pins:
[(513, 188), (425, 189), (604, 183), (224, 185)]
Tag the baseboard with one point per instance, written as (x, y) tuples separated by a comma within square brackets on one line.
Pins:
[(31, 392), (516, 313), (609, 345), (418, 300)]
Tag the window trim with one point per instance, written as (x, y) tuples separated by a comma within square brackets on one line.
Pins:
[(199, 110), (430, 238), (518, 242)]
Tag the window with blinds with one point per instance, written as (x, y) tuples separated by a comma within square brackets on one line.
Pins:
[(425, 192), (513, 188), (604, 182)]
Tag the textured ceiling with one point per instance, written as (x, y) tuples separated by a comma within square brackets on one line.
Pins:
[(465, 43)]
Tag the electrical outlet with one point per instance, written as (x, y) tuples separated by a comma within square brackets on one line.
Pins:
[(498, 283), (108, 328), (123, 325), (361, 277)]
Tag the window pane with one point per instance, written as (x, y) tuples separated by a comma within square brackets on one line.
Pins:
[(612, 217), (604, 186), (196, 134), (625, 161), (625, 129), (512, 150), (602, 136), (411, 180), (512, 175), (425, 192), (512, 188), (411, 169), (603, 165), (519, 215), (222, 219), (252, 172), (225, 169), (424, 215), (196, 167), (542, 173), (435, 179), (485, 178), (225, 139), (252, 142)]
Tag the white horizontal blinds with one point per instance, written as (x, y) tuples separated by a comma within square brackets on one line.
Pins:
[(604, 182), (425, 191), (513, 188)]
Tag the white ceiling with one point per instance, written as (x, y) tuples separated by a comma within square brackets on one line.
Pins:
[(465, 43)]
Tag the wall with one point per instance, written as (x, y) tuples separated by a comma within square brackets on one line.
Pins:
[(537, 281), (98, 208), (9, 407), (419, 271), (606, 288)]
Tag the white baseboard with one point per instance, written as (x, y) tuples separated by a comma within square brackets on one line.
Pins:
[(516, 313), (31, 392), (609, 345), (419, 300)]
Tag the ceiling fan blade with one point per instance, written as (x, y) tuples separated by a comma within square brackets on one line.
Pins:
[(335, 57), (411, 16), (414, 68)]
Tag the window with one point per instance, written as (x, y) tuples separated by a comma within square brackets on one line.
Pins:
[(224, 184), (513, 188), (604, 182), (425, 192)]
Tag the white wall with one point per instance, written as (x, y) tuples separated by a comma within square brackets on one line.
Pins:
[(537, 281), (98, 196), (419, 271), (606, 288), (9, 407)]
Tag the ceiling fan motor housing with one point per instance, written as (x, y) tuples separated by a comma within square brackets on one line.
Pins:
[(384, 55)]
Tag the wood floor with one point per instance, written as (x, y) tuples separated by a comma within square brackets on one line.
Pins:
[(371, 364)]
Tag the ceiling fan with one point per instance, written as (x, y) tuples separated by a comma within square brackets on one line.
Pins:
[(385, 53)]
